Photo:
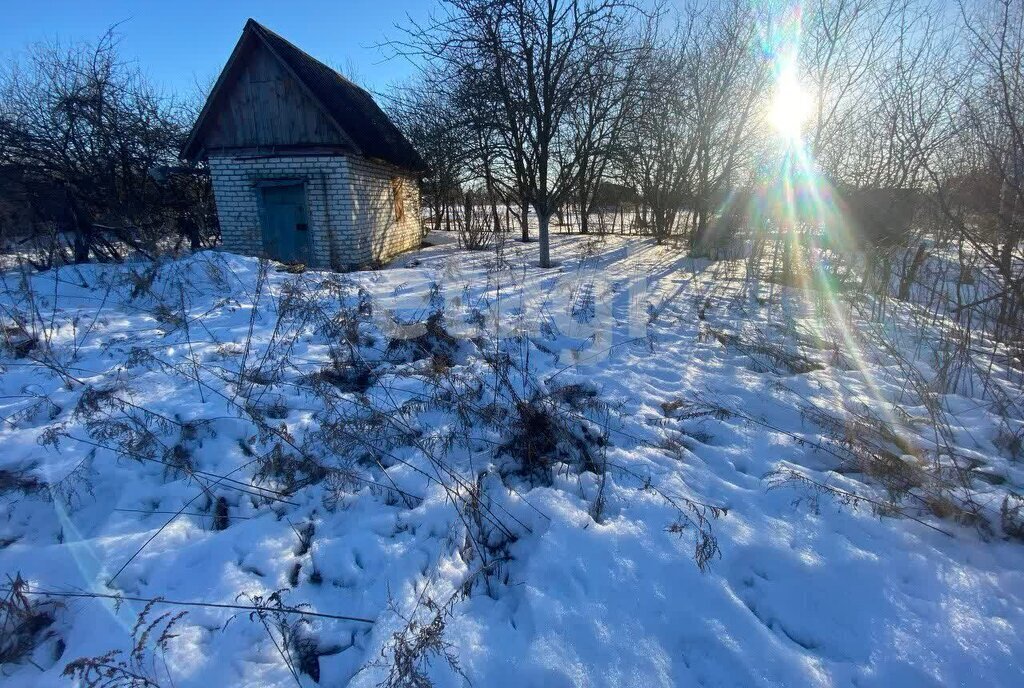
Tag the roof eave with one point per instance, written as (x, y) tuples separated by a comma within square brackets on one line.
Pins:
[(188, 149)]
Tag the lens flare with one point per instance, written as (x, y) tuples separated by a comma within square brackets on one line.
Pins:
[(791, 105)]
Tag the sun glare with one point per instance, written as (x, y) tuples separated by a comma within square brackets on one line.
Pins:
[(791, 105)]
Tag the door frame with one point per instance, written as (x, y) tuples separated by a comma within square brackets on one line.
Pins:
[(271, 182)]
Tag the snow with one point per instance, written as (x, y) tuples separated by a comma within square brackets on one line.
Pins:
[(805, 590)]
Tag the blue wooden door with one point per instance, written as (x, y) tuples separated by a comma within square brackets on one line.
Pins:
[(285, 227)]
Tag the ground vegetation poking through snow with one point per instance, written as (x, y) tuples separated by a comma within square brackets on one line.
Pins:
[(637, 469)]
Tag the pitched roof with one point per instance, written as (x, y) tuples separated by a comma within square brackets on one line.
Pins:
[(350, 107)]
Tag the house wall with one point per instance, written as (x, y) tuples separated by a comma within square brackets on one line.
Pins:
[(373, 212), (353, 214)]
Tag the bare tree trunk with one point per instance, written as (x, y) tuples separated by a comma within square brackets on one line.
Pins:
[(84, 238), (492, 196), (190, 230), (700, 231), (438, 217), (545, 248), (911, 273), (494, 212), (524, 220)]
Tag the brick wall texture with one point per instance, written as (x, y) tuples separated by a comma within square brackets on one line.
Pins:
[(354, 218)]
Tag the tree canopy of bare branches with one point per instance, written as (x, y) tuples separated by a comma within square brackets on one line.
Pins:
[(537, 70), (78, 119)]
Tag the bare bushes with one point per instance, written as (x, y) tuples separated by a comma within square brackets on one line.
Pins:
[(434, 343), (25, 624), (765, 354), (420, 641), (290, 636), (551, 427), (83, 129), (143, 667), (476, 226), (18, 340)]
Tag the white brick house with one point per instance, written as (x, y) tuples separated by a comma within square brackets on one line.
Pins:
[(305, 166)]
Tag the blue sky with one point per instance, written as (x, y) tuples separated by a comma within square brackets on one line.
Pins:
[(178, 42)]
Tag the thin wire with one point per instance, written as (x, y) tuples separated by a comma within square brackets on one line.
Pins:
[(187, 603)]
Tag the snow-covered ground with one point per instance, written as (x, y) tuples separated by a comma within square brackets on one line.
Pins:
[(318, 439)]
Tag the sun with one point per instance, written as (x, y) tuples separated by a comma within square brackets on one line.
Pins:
[(791, 105)]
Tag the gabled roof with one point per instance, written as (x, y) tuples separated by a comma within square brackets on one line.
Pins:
[(351, 109)]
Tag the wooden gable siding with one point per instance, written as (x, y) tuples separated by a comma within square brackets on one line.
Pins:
[(265, 106)]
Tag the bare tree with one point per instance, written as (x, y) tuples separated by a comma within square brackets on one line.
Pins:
[(844, 43), (994, 112), (83, 120), (438, 129), (695, 130), (532, 63), (613, 98), (727, 78), (657, 158)]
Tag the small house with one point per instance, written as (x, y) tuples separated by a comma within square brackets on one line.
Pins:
[(305, 167)]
